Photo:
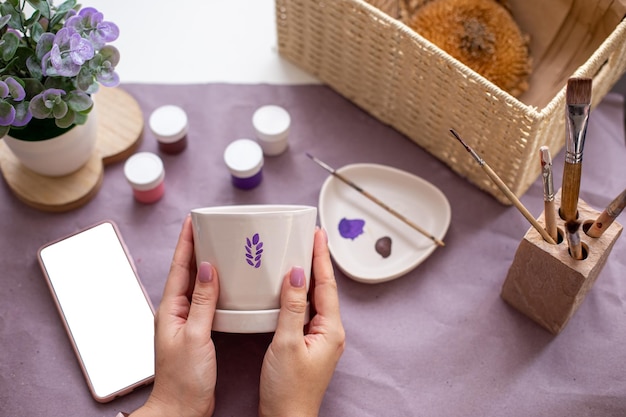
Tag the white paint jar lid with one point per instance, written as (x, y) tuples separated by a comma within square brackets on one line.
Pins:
[(168, 123), (144, 171), (244, 158), (271, 124)]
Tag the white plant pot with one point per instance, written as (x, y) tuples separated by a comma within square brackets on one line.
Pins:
[(60, 155)]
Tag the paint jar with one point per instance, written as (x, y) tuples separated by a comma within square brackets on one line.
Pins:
[(271, 124), (244, 159), (145, 173), (169, 125)]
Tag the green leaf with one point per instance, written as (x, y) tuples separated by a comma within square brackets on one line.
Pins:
[(4, 130), (60, 110), (21, 109), (32, 87), (5, 111), (42, 6), (67, 120), (15, 22), (110, 53), (36, 31), (9, 46), (80, 118), (61, 11), (8, 67), (66, 6), (4, 20), (85, 79), (38, 108), (33, 19), (79, 102), (34, 67)]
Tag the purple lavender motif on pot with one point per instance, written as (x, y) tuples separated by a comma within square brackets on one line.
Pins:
[(254, 250)]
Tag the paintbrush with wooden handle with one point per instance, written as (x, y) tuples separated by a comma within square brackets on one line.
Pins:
[(578, 100), (606, 218), (506, 190), (573, 239), (548, 193), (372, 198)]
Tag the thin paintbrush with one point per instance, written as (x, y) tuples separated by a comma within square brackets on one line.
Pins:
[(573, 239), (375, 200), (503, 187), (578, 100), (548, 193), (610, 213)]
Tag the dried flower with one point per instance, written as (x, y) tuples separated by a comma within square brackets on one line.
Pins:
[(52, 61), (483, 35)]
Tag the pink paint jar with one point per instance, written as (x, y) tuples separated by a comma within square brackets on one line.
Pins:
[(145, 173), (169, 124)]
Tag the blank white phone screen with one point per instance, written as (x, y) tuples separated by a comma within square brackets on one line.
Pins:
[(107, 314)]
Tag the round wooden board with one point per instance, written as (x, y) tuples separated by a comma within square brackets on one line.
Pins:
[(120, 127)]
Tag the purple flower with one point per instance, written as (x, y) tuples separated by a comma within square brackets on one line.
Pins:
[(62, 57), (15, 89), (69, 52), (89, 22), (13, 110), (4, 89)]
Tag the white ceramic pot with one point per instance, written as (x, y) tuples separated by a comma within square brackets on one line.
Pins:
[(60, 155), (253, 247)]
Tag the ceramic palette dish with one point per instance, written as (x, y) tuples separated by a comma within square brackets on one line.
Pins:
[(357, 228)]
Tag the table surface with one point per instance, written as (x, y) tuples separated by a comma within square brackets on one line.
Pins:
[(438, 341)]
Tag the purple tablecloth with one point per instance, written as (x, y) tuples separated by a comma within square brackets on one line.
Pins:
[(437, 342)]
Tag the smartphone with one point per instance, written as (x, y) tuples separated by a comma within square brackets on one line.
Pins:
[(104, 307)]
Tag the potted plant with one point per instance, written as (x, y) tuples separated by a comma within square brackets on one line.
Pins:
[(52, 60)]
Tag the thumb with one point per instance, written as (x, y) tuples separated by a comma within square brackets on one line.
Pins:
[(204, 298), (293, 305)]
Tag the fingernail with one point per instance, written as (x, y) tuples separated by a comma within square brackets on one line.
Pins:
[(325, 234), (296, 278), (205, 273)]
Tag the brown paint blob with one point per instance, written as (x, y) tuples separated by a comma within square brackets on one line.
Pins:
[(383, 246)]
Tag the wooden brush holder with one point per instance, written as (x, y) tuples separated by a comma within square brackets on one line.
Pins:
[(545, 283)]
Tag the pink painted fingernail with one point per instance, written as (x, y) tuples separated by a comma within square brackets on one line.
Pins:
[(325, 234), (296, 278), (205, 273)]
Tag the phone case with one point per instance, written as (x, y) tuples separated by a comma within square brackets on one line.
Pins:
[(104, 391)]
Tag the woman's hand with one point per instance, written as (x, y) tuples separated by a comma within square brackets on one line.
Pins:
[(186, 368), (298, 367)]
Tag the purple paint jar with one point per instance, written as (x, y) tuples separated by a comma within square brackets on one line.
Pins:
[(244, 159), (169, 125)]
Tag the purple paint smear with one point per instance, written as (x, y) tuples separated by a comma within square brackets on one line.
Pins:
[(351, 229)]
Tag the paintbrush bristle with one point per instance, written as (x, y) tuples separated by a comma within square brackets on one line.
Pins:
[(578, 91), (456, 135), (572, 226), (545, 157)]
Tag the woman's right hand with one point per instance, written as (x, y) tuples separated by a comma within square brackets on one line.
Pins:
[(298, 367)]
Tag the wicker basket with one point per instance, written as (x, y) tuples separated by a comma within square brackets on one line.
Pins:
[(364, 51)]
